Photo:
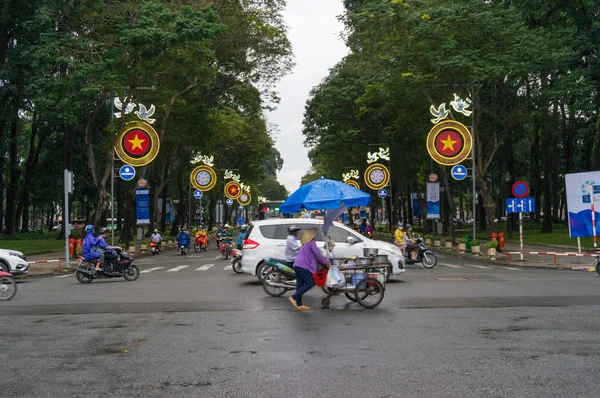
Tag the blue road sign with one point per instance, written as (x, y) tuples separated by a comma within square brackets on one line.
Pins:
[(240, 207), (229, 202), (127, 172), (459, 172), (382, 193), (520, 205), (198, 194)]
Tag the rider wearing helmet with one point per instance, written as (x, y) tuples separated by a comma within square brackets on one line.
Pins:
[(227, 234), (411, 242), (292, 245), (399, 238), (241, 237), (183, 239), (108, 251), (90, 245)]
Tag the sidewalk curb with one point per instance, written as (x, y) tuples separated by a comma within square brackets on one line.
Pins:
[(503, 262)]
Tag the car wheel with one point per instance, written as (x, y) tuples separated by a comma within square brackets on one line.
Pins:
[(4, 267)]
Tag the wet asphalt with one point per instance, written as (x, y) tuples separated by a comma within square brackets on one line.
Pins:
[(190, 327)]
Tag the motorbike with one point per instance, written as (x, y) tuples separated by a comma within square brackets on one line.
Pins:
[(279, 279), (8, 287), (219, 240), (597, 264), (424, 256), (201, 243), (236, 261), (183, 249), (226, 249), (154, 248), (86, 270)]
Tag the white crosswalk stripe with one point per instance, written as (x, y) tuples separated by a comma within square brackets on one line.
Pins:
[(178, 268), (147, 271), (218, 257), (228, 268), (64, 276), (509, 268), (205, 267), (451, 265), (479, 266)]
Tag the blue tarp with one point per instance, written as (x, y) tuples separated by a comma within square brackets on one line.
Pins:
[(324, 194)]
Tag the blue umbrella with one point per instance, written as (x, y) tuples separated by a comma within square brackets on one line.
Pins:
[(324, 194)]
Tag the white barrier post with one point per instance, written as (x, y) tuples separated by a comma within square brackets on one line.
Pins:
[(521, 232)]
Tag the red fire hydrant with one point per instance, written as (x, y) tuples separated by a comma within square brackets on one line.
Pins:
[(501, 240)]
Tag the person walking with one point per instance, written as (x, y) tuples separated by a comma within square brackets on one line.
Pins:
[(305, 266)]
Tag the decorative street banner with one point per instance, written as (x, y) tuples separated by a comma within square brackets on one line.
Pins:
[(581, 188), (233, 190), (142, 206), (245, 198), (203, 178), (137, 144), (449, 143), (433, 200), (353, 183), (377, 176)]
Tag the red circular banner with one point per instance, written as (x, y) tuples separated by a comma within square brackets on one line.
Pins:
[(448, 143), (136, 143), (233, 190)]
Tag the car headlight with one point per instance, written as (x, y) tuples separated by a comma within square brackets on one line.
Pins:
[(391, 249), (21, 256)]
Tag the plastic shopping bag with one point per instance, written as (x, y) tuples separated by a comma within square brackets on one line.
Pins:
[(335, 278)]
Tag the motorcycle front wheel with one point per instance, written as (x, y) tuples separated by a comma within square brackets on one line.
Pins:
[(429, 260), (8, 288), (196, 247), (131, 273), (237, 266), (274, 277), (82, 278)]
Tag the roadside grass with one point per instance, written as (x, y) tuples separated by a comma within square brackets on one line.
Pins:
[(33, 246)]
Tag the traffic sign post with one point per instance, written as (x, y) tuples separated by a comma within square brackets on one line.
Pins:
[(520, 189), (459, 172), (520, 205), (382, 193), (229, 202), (127, 172), (198, 194)]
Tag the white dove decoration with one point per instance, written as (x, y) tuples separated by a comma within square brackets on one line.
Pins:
[(145, 114), (119, 106), (460, 105), (384, 153), (245, 187), (228, 174), (372, 157), (439, 114)]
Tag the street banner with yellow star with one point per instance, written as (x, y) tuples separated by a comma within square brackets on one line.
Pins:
[(233, 190), (449, 143), (137, 144)]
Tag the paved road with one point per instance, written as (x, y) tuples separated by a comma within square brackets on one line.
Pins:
[(190, 327)]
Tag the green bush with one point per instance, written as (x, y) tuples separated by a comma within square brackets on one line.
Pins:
[(427, 236), (37, 235), (461, 240), (491, 244), (475, 242)]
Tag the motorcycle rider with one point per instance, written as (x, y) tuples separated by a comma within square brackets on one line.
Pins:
[(411, 242), (90, 245), (183, 239), (399, 238), (292, 245), (369, 230), (241, 237), (156, 238), (227, 235), (108, 251)]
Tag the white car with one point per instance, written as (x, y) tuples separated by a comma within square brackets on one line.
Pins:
[(266, 239), (13, 261)]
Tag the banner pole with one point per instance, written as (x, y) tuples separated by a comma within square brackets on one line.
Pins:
[(521, 232)]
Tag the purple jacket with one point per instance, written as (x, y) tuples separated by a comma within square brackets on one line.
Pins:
[(308, 257)]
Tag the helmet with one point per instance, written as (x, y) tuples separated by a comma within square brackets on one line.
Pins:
[(183, 229), (244, 227), (156, 231), (400, 224), (89, 228), (408, 226), (293, 228), (103, 230), (227, 226)]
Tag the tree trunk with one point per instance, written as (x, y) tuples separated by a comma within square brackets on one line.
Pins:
[(14, 174), (163, 215), (536, 173), (2, 156), (450, 210)]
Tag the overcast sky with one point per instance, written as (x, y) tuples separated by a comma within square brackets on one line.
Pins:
[(314, 32)]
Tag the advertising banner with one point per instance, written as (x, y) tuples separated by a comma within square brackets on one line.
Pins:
[(433, 200), (142, 206), (581, 188), (416, 206)]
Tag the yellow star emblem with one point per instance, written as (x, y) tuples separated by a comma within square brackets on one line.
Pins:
[(448, 143), (234, 189), (136, 143)]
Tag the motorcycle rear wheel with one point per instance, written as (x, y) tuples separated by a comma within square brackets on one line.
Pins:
[(236, 266), (276, 277), (8, 288), (131, 273), (83, 278), (262, 271)]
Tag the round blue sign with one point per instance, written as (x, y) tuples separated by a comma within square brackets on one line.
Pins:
[(383, 193), (459, 172), (229, 202), (198, 194), (127, 172), (241, 207)]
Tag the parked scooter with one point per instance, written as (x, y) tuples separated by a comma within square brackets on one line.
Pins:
[(236, 261), (124, 268), (154, 248), (8, 287), (424, 255)]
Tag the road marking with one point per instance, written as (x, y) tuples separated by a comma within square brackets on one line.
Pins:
[(511, 269), (452, 265), (218, 257), (64, 276), (478, 266), (147, 271), (205, 267), (177, 268), (228, 268)]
